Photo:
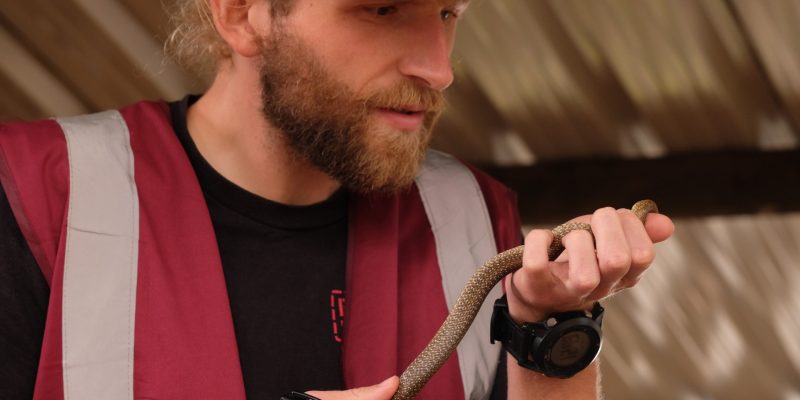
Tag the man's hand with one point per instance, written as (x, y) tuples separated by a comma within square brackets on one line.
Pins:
[(381, 391), (588, 270)]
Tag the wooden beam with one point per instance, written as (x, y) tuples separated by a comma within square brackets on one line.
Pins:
[(139, 45), (29, 82), (152, 15), (71, 45), (684, 185), (15, 104)]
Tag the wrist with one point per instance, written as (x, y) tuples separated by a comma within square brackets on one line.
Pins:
[(522, 311), (559, 345), (526, 384)]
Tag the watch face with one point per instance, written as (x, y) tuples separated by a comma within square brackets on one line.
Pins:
[(570, 348)]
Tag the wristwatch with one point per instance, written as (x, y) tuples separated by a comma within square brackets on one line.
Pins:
[(561, 346)]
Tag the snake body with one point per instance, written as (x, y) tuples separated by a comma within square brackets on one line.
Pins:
[(469, 302)]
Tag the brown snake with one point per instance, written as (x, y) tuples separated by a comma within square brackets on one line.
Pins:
[(472, 297)]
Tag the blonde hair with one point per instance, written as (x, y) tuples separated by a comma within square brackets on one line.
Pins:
[(194, 42)]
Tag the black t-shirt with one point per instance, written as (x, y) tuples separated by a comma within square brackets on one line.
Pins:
[(285, 272), (284, 268)]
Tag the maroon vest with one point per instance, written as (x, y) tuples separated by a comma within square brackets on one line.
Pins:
[(185, 346)]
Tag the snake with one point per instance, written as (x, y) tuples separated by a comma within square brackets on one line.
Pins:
[(469, 302)]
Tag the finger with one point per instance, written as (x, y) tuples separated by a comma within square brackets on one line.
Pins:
[(639, 240), (584, 275), (659, 227), (534, 287), (382, 391), (613, 252), (586, 219), (535, 272), (641, 246)]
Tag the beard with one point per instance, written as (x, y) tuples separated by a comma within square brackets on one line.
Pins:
[(334, 128)]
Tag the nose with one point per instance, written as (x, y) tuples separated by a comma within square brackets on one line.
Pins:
[(428, 57)]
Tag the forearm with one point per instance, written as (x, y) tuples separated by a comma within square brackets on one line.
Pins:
[(524, 384)]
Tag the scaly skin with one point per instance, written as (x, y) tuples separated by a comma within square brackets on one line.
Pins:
[(469, 302)]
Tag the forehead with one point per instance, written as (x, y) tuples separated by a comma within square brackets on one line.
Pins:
[(449, 3), (460, 4)]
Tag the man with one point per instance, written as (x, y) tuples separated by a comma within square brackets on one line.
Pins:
[(302, 154)]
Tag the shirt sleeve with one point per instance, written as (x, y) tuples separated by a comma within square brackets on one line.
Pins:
[(24, 296)]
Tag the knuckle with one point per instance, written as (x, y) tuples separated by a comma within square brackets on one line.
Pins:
[(577, 234), (643, 257), (539, 235), (534, 264), (616, 262), (626, 213), (537, 243), (585, 284), (605, 211)]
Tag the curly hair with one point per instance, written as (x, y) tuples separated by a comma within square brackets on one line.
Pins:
[(194, 42)]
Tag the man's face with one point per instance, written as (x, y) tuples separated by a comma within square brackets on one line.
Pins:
[(361, 100)]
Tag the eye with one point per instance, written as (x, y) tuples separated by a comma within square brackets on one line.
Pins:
[(448, 15), (383, 11)]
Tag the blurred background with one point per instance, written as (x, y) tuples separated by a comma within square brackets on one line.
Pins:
[(575, 104)]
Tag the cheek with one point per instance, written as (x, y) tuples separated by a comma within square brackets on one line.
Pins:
[(357, 60)]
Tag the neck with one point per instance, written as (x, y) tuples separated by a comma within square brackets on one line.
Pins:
[(231, 133)]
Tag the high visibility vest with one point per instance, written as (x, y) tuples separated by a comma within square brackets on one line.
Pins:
[(115, 217)]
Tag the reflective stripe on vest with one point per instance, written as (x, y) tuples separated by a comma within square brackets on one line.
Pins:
[(464, 238), (102, 252), (101, 259)]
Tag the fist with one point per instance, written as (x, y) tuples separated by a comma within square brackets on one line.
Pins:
[(589, 269)]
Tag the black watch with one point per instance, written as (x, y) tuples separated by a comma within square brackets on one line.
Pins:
[(561, 346)]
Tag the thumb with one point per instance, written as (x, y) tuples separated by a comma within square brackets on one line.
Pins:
[(381, 391), (659, 227)]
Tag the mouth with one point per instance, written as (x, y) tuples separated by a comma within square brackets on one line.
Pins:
[(405, 118), (410, 110)]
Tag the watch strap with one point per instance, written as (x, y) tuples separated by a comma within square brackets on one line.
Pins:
[(532, 343), (516, 339)]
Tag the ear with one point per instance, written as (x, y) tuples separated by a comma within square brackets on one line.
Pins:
[(241, 23)]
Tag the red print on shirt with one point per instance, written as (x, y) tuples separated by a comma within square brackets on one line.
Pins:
[(337, 313)]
